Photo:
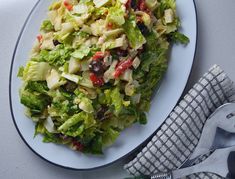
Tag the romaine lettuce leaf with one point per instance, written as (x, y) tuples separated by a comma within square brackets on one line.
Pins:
[(56, 57), (34, 101), (116, 15), (47, 26), (178, 37), (134, 35), (113, 97), (86, 105), (37, 86), (117, 100), (80, 53), (36, 71), (96, 145), (20, 72), (99, 3), (109, 136), (76, 118), (152, 69)]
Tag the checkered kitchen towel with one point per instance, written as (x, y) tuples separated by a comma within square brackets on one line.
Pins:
[(179, 134)]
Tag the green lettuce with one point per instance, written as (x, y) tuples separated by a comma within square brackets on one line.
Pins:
[(114, 98), (152, 68), (109, 136), (62, 105), (47, 25), (75, 130), (37, 86), (134, 35), (56, 57), (36, 71), (99, 3), (117, 100), (86, 105), (96, 145), (80, 53), (34, 102), (116, 15), (47, 136), (85, 118), (178, 37), (20, 72)]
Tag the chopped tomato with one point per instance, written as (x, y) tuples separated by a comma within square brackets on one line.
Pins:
[(122, 67), (96, 80), (67, 5)]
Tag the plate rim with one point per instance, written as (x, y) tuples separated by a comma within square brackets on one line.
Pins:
[(114, 161)]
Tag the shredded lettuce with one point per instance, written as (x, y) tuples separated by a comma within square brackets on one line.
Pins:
[(36, 71), (113, 97), (76, 124), (99, 3), (151, 70), (86, 105), (116, 15), (109, 136), (178, 37), (56, 57), (134, 35), (34, 101), (80, 53), (94, 67), (37, 86), (47, 25), (20, 72)]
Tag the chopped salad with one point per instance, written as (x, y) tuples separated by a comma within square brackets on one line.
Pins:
[(94, 66)]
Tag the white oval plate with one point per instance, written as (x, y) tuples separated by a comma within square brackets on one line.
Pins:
[(169, 92)]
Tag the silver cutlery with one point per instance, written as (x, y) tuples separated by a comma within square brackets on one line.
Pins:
[(221, 162), (218, 132)]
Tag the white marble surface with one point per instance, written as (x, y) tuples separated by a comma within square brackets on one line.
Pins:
[(216, 44)]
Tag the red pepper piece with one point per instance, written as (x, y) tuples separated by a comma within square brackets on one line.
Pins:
[(96, 80), (98, 55), (68, 6), (122, 67), (141, 5), (39, 37), (110, 25), (128, 4), (79, 146)]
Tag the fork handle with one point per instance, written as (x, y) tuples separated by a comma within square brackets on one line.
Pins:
[(167, 175)]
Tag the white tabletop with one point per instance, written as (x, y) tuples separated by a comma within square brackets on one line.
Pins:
[(216, 45)]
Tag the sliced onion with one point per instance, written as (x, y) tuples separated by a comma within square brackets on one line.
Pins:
[(49, 125)]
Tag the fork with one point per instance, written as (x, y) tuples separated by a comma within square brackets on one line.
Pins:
[(221, 162), (218, 132)]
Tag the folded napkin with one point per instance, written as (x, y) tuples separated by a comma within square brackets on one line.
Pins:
[(178, 136)]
